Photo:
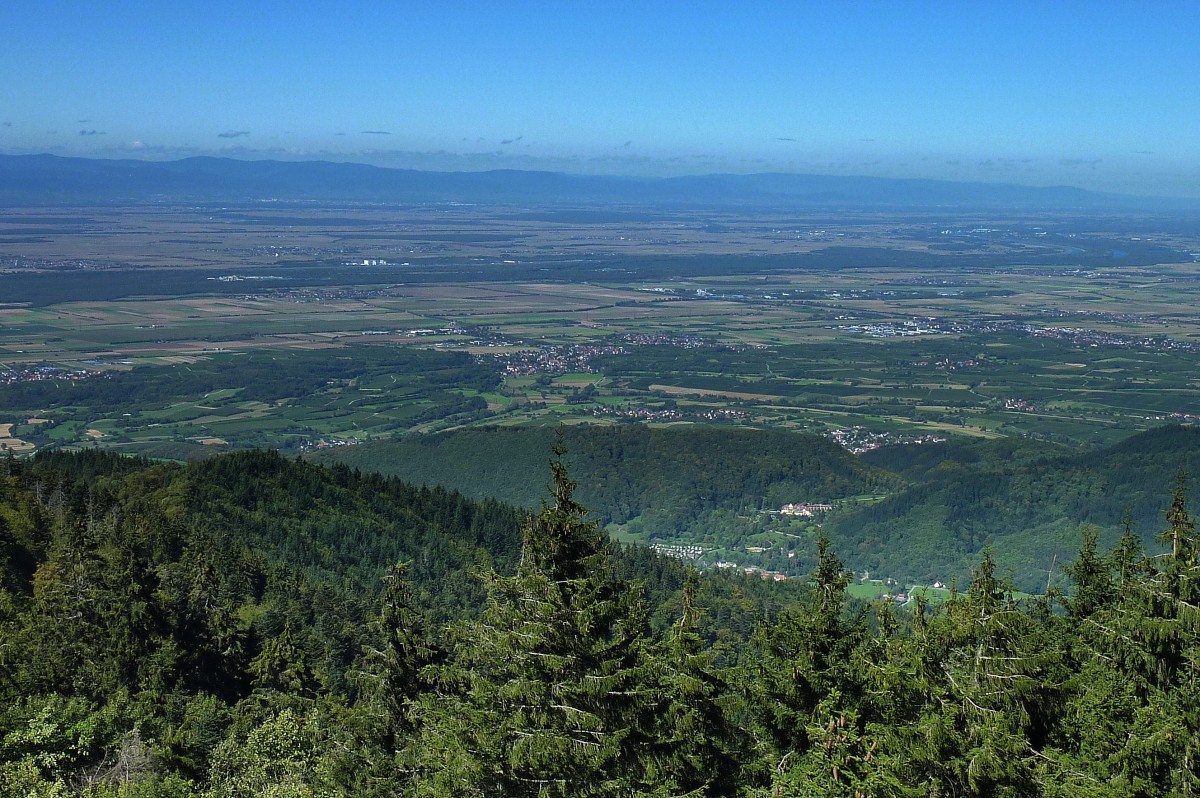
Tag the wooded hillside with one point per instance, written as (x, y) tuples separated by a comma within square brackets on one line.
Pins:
[(253, 625)]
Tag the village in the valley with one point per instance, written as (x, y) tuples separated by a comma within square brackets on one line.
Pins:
[(863, 584)]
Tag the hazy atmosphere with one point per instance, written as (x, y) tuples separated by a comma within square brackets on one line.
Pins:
[(597, 400), (1095, 95)]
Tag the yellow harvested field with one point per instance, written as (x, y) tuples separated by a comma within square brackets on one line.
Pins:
[(11, 444), (37, 421), (93, 433)]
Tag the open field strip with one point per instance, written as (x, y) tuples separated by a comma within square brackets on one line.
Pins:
[(684, 391), (9, 443)]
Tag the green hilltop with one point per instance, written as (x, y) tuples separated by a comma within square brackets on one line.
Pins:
[(627, 470), (1024, 501), (916, 513)]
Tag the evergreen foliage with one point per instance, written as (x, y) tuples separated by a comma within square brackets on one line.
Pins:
[(667, 476), (241, 627), (1025, 500), (548, 690)]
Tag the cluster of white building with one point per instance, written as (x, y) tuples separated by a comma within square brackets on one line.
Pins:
[(805, 509)]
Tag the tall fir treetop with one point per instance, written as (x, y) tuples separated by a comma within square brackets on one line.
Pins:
[(560, 542), (1180, 533)]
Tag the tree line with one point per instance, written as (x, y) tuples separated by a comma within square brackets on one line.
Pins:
[(230, 628)]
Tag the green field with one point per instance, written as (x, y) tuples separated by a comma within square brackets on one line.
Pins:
[(1079, 357), (887, 344)]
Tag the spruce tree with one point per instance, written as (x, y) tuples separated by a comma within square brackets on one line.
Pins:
[(283, 666), (406, 651), (806, 682), (546, 693), (697, 750), (982, 726), (66, 624), (1131, 725), (1180, 537), (1127, 560), (1091, 575)]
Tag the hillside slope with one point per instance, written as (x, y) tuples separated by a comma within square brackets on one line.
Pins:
[(624, 472), (946, 503), (1025, 502)]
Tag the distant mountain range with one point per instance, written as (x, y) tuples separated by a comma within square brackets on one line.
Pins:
[(54, 180)]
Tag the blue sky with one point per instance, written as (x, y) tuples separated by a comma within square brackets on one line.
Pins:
[(1096, 94)]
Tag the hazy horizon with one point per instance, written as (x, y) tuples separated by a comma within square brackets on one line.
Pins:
[(1088, 95)]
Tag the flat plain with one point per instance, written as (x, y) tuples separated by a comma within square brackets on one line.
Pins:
[(862, 326)]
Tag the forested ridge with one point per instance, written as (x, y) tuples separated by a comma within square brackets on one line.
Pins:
[(711, 489), (671, 474), (1025, 500), (252, 625), (942, 503)]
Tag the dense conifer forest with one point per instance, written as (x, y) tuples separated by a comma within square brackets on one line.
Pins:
[(258, 626)]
